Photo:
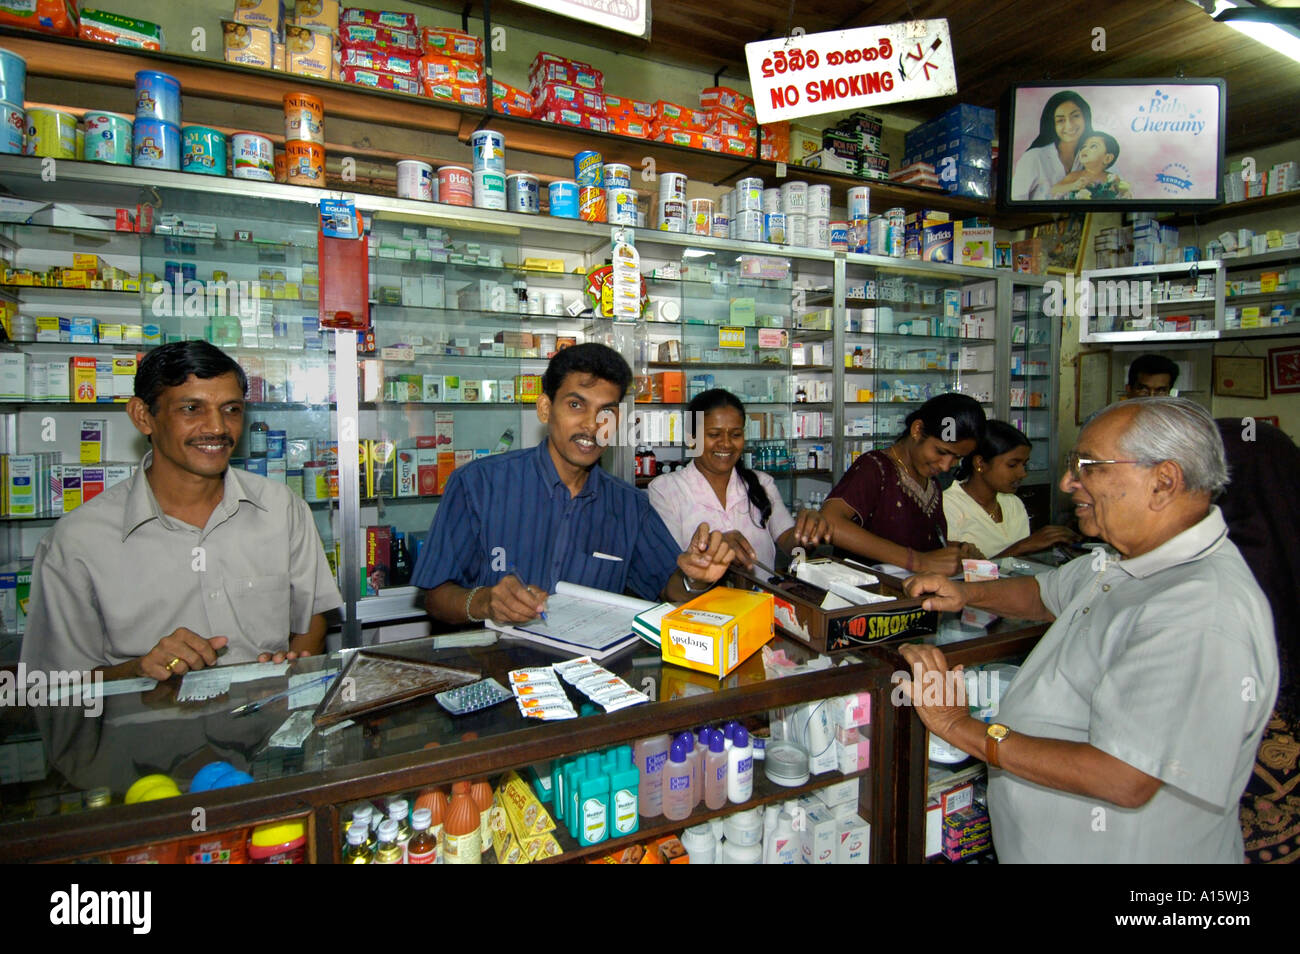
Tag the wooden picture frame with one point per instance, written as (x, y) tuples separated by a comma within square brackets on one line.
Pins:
[(1064, 243), (1091, 384), (1284, 369), (1240, 376)]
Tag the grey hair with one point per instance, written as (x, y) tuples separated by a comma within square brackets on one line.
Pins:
[(1176, 429)]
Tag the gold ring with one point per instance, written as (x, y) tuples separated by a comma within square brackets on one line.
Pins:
[(175, 660)]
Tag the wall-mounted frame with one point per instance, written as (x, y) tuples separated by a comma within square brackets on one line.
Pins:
[(1064, 243), (1284, 369), (1240, 376)]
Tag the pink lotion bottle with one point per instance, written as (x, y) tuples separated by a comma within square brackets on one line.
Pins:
[(678, 797), (715, 771), (651, 758)]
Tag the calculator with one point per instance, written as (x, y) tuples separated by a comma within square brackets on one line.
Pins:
[(477, 695)]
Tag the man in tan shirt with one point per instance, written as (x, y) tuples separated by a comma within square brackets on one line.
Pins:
[(189, 559)]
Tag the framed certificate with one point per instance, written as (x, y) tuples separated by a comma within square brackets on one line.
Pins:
[(1240, 376)]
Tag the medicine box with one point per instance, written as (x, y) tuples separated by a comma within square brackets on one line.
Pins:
[(426, 459), (854, 841), (718, 630), (13, 376), (841, 793), (93, 433), (446, 464), (819, 843)]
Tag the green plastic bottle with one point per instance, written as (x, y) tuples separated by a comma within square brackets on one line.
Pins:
[(624, 799), (593, 803)]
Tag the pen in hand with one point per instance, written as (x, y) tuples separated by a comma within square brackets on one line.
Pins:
[(510, 571)]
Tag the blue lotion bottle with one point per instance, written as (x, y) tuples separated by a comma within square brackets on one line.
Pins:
[(624, 794), (593, 797)]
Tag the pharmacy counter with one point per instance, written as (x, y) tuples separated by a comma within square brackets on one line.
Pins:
[(52, 756)]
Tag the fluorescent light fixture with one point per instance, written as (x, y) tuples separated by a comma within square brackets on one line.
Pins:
[(1274, 37), (697, 253)]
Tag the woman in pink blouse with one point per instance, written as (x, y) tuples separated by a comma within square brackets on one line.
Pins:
[(719, 490)]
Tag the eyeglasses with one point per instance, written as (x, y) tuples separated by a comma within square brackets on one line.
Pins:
[(1144, 391), (1076, 464)]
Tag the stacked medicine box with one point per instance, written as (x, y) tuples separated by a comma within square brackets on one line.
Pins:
[(959, 144)]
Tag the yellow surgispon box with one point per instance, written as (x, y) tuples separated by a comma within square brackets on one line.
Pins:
[(718, 630)]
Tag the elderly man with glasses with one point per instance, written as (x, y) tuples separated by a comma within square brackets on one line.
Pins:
[(1130, 732)]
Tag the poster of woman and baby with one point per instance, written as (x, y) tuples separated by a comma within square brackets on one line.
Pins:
[(1146, 144)]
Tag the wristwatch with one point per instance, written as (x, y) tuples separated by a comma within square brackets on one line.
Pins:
[(993, 737)]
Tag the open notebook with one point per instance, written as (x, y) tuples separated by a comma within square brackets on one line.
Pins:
[(583, 620)]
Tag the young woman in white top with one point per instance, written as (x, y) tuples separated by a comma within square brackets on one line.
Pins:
[(1066, 121), (983, 509)]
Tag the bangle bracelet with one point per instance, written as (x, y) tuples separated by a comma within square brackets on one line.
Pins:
[(686, 582), (468, 602)]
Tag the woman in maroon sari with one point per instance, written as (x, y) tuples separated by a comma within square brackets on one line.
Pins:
[(888, 507)]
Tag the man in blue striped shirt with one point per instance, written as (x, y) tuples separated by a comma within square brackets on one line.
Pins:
[(513, 525)]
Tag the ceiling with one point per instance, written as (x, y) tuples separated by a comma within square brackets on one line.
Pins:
[(998, 43)]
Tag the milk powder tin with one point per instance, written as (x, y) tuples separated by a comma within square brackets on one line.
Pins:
[(13, 78), (774, 227), (721, 226), (617, 175), (672, 186), (591, 204), (771, 200), (747, 226), (489, 147), (819, 201), (108, 139), (304, 118), (51, 132), (489, 190), (819, 232), (700, 217), (523, 194), (794, 198), (156, 145), (455, 185), (621, 206), (588, 169), (672, 215), (304, 163), (859, 202), (414, 180), (796, 230), (13, 129), (279, 166), (253, 157), (563, 198), (749, 196), (158, 96), (205, 150)]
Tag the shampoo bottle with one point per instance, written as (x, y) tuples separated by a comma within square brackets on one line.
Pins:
[(715, 771), (593, 797), (624, 794), (782, 846), (678, 797), (650, 756), (740, 768)]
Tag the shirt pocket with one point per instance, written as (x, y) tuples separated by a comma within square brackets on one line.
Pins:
[(261, 609)]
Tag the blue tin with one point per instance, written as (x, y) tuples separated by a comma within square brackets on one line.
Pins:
[(204, 151), (156, 145), (588, 169), (564, 198), (13, 78), (158, 96)]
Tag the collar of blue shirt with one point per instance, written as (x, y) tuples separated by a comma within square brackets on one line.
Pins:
[(550, 477), (142, 505), (1194, 543)]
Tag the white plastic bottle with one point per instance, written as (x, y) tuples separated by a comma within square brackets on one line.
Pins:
[(740, 768), (678, 799), (651, 757), (782, 846), (715, 771)]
